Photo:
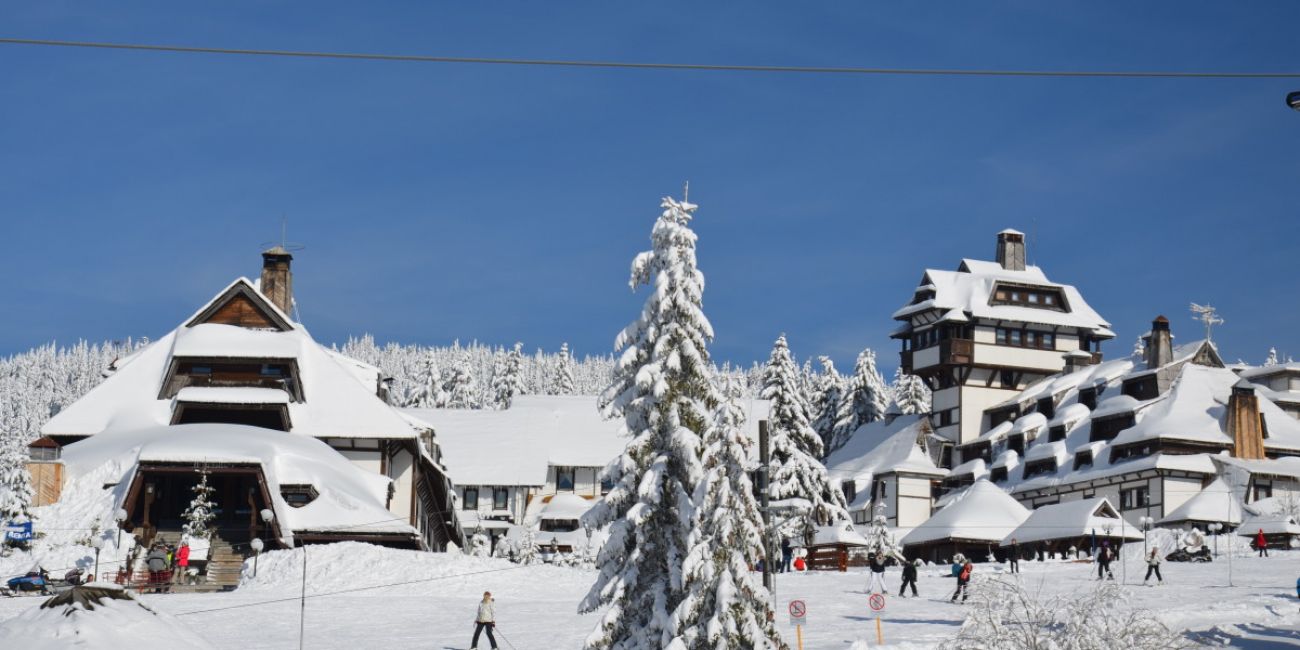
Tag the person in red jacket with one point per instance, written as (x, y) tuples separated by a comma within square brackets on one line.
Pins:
[(182, 561), (963, 580), (1261, 544)]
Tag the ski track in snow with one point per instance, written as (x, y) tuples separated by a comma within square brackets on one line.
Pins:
[(537, 606)]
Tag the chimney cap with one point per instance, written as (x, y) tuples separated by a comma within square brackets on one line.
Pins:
[(1011, 231), (1161, 319), (277, 251)]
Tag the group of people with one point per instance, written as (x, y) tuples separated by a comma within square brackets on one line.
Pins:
[(166, 564)]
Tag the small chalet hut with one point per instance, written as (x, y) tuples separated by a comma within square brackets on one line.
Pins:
[(1216, 503), (1280, 530), (972, 525), (1074, 524)]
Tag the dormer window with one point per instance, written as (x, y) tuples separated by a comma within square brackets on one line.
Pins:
[(1083, 459), (1037, 297), (298, 495)]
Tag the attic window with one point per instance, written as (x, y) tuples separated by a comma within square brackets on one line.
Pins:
[(298, 495), (1109, 427), (1038, 467), (1131, 451), (1056, 433), (998, 474), (1083, 459), (1037, 297)]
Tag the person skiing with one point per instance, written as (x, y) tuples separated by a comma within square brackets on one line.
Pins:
[(963, 580), (1261, 543), (909, 577), (486, 620), (787, 555), (1015, 555), (877, 582), (1103, 562), (1153, 566)]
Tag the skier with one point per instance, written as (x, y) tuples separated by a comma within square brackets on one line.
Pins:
[(909, 577), (1103, 562), (1261, 544), (877, 583), (1015, 555), (486, 620), (787, 555), (963, 579), (1153, 566)]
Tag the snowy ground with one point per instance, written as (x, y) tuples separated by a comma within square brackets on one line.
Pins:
[(536, 606)]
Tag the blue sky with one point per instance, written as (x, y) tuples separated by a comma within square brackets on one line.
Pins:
[(442, 202)]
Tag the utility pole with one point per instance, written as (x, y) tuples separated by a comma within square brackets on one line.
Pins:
[(765, 457)]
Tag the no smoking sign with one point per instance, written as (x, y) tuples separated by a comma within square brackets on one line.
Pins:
[(877, 602), (798, 612)]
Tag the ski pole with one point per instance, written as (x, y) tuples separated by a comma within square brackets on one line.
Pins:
[(503, 637)]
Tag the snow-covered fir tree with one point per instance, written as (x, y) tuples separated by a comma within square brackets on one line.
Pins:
[(562, 383), (508, 384), (865, 399), (462, 390), (201, 511), (479, 544), (910, 393), (526, 551), (429, 392), (1272, 358), (795, 471), (664, 391), (826, 401), (15, 482), (726, 604)]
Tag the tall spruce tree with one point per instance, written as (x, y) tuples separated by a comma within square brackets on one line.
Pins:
[(865, 400), (826, 402), (201, 511), (910, 393), (664, 392), (508, 382), (462, 390), (796, 472), (726, 604), (562, 383), (15, 482)]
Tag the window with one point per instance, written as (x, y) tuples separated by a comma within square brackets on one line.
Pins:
[(1047, 341), (1001, 336), (559, 525), (471, 499), (1016, 337), (298, 496), (850, 489), (564, 479), (1007, 379), (500, 498), (1088, 398), (1131, 451), (1047, 406), (879, 491), (945, 417), (1056, 433), (1134, 498), (1038, 467), (1109, 427), (1039, 297), (1263, 490), (1081, 460), (998, 474)]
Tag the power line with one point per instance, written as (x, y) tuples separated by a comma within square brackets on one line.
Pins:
[(696, 67)]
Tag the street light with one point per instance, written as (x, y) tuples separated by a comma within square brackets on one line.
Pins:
[(257, 552), (268, 516), (98, 543), (1146, 523), (1293, 100), (121, 516)]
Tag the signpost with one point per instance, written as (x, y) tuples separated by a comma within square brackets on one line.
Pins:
[(877, 602), (798, 618), (18, 532)]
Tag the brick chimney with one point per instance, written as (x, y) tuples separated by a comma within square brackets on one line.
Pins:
[(1011, 250), (1245, 425), (1159, 343), (277, 279)]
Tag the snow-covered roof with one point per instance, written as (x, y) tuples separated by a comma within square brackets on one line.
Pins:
[(881, 447), (515, 446), (1072, 519), (983, 512), (975, 467), (1270, 524), (232, 395), (349, 498), (969, 288), (841, 533), (98, 616), (565, 506), (339, 400), (1215, 502), (1256, 372)]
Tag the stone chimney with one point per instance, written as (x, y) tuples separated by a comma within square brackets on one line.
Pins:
[(1075, 360), (1160, 344), (1245, 426), (277, 279), (1011, 250)]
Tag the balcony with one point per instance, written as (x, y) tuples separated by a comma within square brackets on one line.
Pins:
[(948, 352)]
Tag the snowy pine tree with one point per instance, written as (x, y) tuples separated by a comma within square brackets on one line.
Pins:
[(1272, 358), (428, 385), (462, 390), (526, 552), (508, 384), (796, 472), (15, 481), (663, 390), (864, 401), (726, 604), (826, 401), (562, 382), (910, 393), (201, 511)]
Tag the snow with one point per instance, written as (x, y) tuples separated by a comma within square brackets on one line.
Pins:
[(982, 512), (1215, 502), (214, 340), (232, 395), (104, 623), (1071, 519), (565, 506), (349, 497), (883, 447)]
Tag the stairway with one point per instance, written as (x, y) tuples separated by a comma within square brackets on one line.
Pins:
[(224, 566)]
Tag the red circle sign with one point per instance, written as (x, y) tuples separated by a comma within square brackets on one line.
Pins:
[(877, 602), (798, 608)]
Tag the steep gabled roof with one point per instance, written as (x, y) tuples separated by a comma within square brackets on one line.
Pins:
[(984, 512), (1073, 519), (240, 303), (1215, 502), (883, 447)]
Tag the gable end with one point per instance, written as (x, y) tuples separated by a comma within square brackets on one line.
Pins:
[(241, 307)]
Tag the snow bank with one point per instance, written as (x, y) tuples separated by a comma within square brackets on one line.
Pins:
[(110, 621)]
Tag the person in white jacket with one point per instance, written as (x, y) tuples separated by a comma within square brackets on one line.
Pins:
[(1153, 566), (485, 620)]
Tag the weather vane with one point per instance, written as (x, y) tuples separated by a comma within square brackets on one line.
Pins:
[(1208, 315)]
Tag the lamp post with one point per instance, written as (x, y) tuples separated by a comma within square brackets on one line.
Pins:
[(257, 552), (268, 516), (120, 516), (1146, 523), (98, 543)]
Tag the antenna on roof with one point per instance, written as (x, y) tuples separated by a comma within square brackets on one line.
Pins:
[(1208, 315), (284, 244)]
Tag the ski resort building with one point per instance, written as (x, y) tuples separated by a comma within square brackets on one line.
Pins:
[(886, 462), (297, 440), (984, 332)]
